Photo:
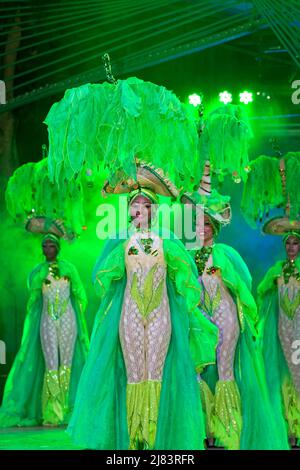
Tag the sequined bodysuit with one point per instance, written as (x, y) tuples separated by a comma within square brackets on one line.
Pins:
[(145, 331), (58, 332), (218, 304)]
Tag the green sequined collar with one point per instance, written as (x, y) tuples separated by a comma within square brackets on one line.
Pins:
[(54, 269), (289, 270), (201, 257)]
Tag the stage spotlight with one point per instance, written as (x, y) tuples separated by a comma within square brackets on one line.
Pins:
[(225, 97), (246, 97), (195, 99)]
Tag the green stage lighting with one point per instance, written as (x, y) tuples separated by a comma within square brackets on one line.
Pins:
[(246, 97), (195, 99), (225, 97)]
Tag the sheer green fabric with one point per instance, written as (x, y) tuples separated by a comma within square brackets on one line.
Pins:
[(22, 399), (277, 372), (112, 124), (99, 420), (262, 426)]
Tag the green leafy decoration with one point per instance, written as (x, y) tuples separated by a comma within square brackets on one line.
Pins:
[(149, 298), (290, 306)]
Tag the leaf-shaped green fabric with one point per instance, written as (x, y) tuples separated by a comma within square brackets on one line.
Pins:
[(149, 298), (148, 287), (216, 299), (207, 303), (156, 297), (290, 306)]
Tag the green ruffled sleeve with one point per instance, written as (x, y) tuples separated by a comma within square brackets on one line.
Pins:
[(180, 270), (269, 279), (109, 268), (236, 277), (77, 288), (37, 275)]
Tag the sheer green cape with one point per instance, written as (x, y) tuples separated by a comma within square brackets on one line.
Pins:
[(263, 427), (99, 420), (22, 399), (276, 366)]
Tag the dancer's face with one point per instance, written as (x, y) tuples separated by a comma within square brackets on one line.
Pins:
[(49, 250), (208, 231), (292, 247), (140, 211)]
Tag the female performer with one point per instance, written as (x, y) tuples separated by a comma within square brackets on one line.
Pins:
[(42, 383), (279, 308), (237, 406), (139, 387)]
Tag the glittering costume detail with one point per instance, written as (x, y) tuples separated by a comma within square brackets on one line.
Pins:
[(64, 382), (51, 399), (218, 304), (201, 258), (142, 411), (150, 298), (145, 331), (228, 414), (289, 297), (289, 270), (291, 400), (58, 332), (207, 400)]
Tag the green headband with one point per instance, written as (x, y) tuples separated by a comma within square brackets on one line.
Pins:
[(291, 233), (143, 192), (53, 238)]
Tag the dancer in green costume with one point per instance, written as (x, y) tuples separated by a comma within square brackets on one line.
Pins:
[(139, 389), (274, 183), (234, 392), (279, 307), (42, 383)]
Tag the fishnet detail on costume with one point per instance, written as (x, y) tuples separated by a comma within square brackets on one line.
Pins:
[(58, 331), (225, 317)]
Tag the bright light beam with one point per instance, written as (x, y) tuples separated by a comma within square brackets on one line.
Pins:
[(225, 97), (195, 99), (246, 97)]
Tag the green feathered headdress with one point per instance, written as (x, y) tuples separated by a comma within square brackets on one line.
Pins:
[(215, 205), (112, 125), (225, 141), (30, 193), (273, 183)]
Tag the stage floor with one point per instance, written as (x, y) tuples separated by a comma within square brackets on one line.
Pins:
[(38, 438), (42, 438)]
